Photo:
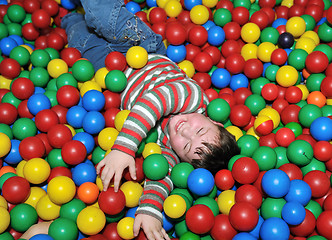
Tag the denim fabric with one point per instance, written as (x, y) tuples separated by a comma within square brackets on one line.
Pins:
[(108, 26)]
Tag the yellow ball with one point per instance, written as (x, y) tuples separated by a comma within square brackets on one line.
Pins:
[(3, 202), (36, 170), (304, 90), (235, 131), (5, 82), (174, 206), (35, 195), (329, 101), (100, 76), (56, 67), (173, 8), (151, 148), (251, 131), (125, 228), (296, 26), (46, 209), (187, 67), (250, 32), (162, 3), (5, 144), (199, 14), (305, 43), (286, 76), (226, 200), (72, 130), (106, 137), (5, 219), (19, 168), (287, 3), (249, 51), (61, 189), (132, 191), (272, 114), (137, 57), (27, 48), (265, 50), (91, 220), (120, 118), (313, 35), (89, 85), (210, 3)]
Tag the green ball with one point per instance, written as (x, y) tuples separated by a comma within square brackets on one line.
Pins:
[(190, 236), (265, 157), (27, 19), (325, 32), (296, 58), (152, 136), (39, 76), (210, 202), (308, 114), (6, 176), (14, 29), (183, 192), (313, 165), (257, 84), (272, 207), (116, 217), (54, 159), (295, 127), (10, 98), (310, 22), (63, 228), (155, 166), (326, 49), (51, 85), (40, 58), (22, 217), (248, 144), (71, 209), (25, 74), (218, 110), (222, 16), (271, 72), (301, 103), (23, 128), (269, 34), (4, 128), (314, 207), (20, 54), (51, 94), (116, 81), (255, 103), (181, 228), (180, 173), (300, 152), (66, 79), (6, 236), (281, 156), (314, 81), (16, 13), (54, 54), (327, 110), (316, 237), (83, 70), (98, 154), (242, 3), (3, 31)]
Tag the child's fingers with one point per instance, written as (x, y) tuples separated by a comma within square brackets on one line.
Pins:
[(136, 227), (132, 171), (106, 177), (100, 165), (117, 179), (158, 235), (165, 234)]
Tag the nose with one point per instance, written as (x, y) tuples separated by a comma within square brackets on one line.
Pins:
[(187, 132)]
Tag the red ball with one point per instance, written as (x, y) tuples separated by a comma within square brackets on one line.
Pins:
[(318, 182), (241, 95), (249, 194), (23, 110), (115, 61), (175, 33), (31, 147), (279, 56), (253, 68), (40, 18), (224, 179), (43, 137), (243, 216), (45, 119), (139, 171), (267, 3), (240, 115), (214, 52), (329, 15), (198, 35), (199, 219), (50, 6), (16, 190), (54, 40), (59, 171), (211, 94), (10, 68), (270, 91), (41, 42), (31, 5), (157, 15), (70, 55), (324, 224), (268, 140), (112, 202), (245, 170), (326, 86), (73, 152), (58, 135), (316, 62), (159, 28), (8, 113), (62, 33), (109, 116), (235, 63), (203, 80), (279, 104), (184, 17), (110, 231), (68, 96), (230, 47), (22, 88), (192, 52), (315, 11), (240, 15), (30, 32), (222, 228), (270, 13), (232, 31), (284, 137), (203, 62), (306, 227), (61, 112), (260, 18), (290, 114), (323, 151), (327, 204), (296, 10), (229, 98)]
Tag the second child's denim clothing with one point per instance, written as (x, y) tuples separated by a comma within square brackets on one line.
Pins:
[(108, 26)]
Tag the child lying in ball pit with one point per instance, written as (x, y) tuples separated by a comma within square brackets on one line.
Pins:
[(160, 96)]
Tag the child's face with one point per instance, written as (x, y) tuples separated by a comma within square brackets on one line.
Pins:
[(188, 132)]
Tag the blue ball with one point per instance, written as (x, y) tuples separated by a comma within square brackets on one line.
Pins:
[(208, 25), (299, 191), (3, 2), (41, 236), (133, 7), (244, 236), (176, 53), (151, 3), (220, 78), (86, 139), (200, 181), (93, 100), (275, 183), (255, 231), (75, 116), (131, 212), (274, 229), (238, 81), (6, 45), (93, 122), (189, 4), (321, 129), (14, 156), (293, 213), (279, 22), (38, 102), (83, 172), (17, 39), (216, 36), (167, 223), (68, 4), (39, 90)]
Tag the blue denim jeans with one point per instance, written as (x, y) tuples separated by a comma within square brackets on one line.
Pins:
[(108, 26)]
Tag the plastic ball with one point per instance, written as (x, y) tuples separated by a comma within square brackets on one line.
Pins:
[(199, 14), (136, 57), (84, 172), (125, 228), (83, 70), (243, 216), (16, 189), (263, 125), (61, 189), (38, 102), (7, 44), (68, 96), (71, 209), (93, 122), (23, 216), (275, 183), (323, 150), (296, 26), (200, 182), (106, 138), (36, 170), (199, 219), (287, 76), (46, 209), (187, 67), (218, 110), (115, 81), (63, 228), (216, 36), (174, 206), (58, 135), (226, 200), (274, 228), (36, 194), (5, 143), (111, 198), (73, 152), (222, 228), (180, 173), (132, 191), (5, 219), (75, 116), (10, 68), (293, 213), (318, 182), (173, 8), (321, 129), (155, 166), (245, 170), (91, 220), (56, 67), (70, 55), (176, 53), (250, 32), (316, 62)]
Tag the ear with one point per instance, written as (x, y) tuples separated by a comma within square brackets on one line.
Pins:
[(217, 123)]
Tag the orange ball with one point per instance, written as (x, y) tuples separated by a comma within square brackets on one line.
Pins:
[(6, 169), (317, 98), (88, 192)]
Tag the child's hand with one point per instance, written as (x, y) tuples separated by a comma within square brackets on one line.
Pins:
[(151, 227), (115, 162)]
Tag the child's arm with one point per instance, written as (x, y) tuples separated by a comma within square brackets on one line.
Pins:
[(151, 226), (38, 228)]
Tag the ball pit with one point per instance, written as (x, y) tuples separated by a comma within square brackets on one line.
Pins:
[(266, 69)]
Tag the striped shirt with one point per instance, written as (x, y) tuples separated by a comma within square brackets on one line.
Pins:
[(153, 94)]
